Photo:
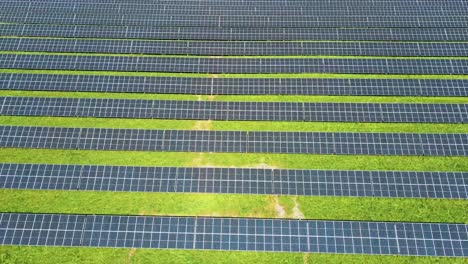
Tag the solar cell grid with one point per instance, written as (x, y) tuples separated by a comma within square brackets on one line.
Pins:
[(319, 10), (234, 141), (190, 33), (211, 110), (186, 85), (394, 21), (234, 48), (238, 21), (234, 11), (448, 185), (234, 65), (260, 3), (419, 239)]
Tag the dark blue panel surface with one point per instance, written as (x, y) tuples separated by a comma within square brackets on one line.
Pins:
[(448, 185), (253, 111), (239, 48), (234, 141), (234, 65), (190, 33), (173, 8), (253, 4), (382, 238), (214, 86), (238, 21)]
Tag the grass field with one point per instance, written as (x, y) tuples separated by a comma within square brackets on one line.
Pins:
[(184, 204), (39, 255)]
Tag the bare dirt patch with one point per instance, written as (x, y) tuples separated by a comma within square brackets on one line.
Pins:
[(199, 161), (203, 125), (297, 214), (130, 254), (280, 212), (264, 166)]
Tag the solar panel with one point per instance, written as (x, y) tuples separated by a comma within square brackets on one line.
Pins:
[(396, 238), (447, 185), (232, 10), (237, 48), (254, 111), (365, 3), (236, 21), (215, 86), (234, 65), (272, 10), (325, 28), (234, 141), (279, 34)]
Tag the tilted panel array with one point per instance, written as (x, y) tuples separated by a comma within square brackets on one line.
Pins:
[(237, 48), (239, 21), (233, 65), (416, 239), (234, 141), (254, 3), (144, 42), (237, 86), (215, 33), (448, 185), (121, 6), (254, 111), (233, 10)]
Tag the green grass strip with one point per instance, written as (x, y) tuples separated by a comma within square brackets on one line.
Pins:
[(234, 205), (241, 98), (65, 255), (253, 75), (231, 125), (247, 160), (231, 57)]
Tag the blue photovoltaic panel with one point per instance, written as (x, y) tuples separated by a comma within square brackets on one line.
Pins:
[(253, 4), (270, 10), (234, 141), (239, 21), (244, 234), (279, 34), (447, 185), (214, 86), (251, 111), (233, 65), (384, 28), (235, 47)]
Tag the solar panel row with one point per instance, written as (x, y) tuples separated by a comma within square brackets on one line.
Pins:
[(192, 33), (287, 14), (259, 3), (255, 111), (448, 185), (319, 10), (399, 20), (234, 141), (238, 48), (419, 239), (215, 86), (237, 21), (233, 65)]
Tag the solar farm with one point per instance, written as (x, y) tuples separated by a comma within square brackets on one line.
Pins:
[(233, 131)]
